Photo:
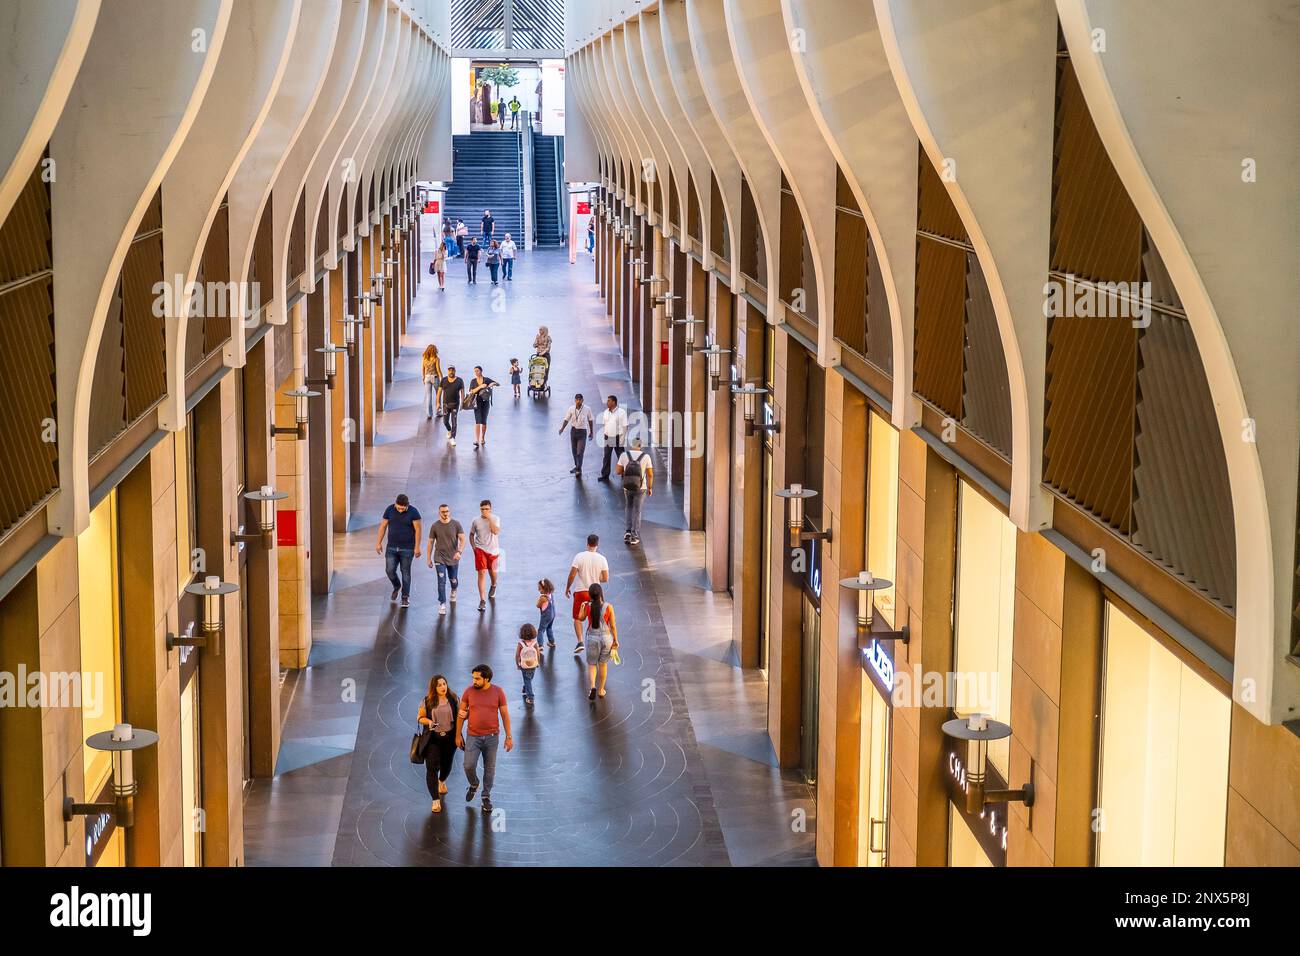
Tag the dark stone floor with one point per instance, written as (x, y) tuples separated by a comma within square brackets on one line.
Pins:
[(673, 767)]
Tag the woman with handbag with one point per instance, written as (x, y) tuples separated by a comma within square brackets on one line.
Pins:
[(438, 735), (439, 266), (494, 260), (431, 373), (480, 395)]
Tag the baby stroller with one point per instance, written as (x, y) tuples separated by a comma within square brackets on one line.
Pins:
[(539, 371)]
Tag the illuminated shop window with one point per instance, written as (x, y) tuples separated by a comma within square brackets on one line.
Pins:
[(1164, 755), (882, 510), (963, 848)]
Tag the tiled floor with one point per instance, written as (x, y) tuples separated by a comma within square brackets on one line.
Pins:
[(673, 767)]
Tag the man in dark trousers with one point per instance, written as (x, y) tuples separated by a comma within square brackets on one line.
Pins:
[(453, 390), (489, 226), (471, 262), (402, 522)]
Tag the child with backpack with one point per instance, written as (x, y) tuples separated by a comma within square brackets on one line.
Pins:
[(528, 655), (546, 604)]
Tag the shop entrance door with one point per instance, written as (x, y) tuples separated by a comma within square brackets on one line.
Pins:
[(812, 629), (873, 783)]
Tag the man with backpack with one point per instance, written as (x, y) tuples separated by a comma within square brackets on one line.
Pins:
[(637, 470)]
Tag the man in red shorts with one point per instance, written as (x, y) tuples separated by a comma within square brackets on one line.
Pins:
[(483, 532), (589, 567)]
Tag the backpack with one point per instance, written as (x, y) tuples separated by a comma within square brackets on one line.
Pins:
[(528, 657), (632, 475)]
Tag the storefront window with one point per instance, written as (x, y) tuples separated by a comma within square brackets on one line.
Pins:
[(882, 510), (986, 590), (1164, 756), (191, 794), (185, 524), (963, 848)]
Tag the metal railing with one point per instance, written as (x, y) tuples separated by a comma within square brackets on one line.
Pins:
[(526, 184)]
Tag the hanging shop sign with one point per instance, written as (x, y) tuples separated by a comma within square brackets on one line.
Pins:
[(100, 828), (584, 209), (878, 662), (989, 826), (812, 573)]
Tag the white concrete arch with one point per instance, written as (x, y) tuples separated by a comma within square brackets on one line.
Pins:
[(766, 67), (251, 66), (679, 129), (376, 136), (433, 159), (382, 104), (643, 126), (642, 85), (696, 113), (854, 101), (435, 92), (36, 76), (707, 28), (250, 190), (1178, 138), (425, 104), (610, 85), (287, 185), (349, 171), (978, 79), (129, 110), (605, 132), (392, 150)]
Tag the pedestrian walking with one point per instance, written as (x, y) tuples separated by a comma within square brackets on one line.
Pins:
[(493, 256), (587, 568), (591, 236), (439, 266), (637, 469), (471, 262), (453, 389), (449, 238), (579, 416), (546, 605), (508, 252), (602, 639), (501, 111), (613, 433), (480, 390), (438, 710), (516, 375), (528, 655), (484, 538), (515, 106), (542, 343), (489, 225), (446, 544), (462, 234), (431, 375), (402, 524), (483, 709)]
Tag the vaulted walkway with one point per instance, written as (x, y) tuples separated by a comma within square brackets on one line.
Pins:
[(673, 767)]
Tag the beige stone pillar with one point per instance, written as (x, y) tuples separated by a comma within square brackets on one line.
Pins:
[(694, 304), (340, 434), (293, 477)]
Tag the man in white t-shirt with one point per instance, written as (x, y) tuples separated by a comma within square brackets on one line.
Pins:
[(483, 537), (637, 470), (589, 567)]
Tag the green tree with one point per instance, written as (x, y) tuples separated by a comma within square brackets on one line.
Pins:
[(499, 76)]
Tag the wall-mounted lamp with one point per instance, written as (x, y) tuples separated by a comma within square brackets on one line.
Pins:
[(796, 495), (350, 324), (690, 325), (266, 497), (331, 365), (377, 286), (870, 625), (651, 280), (212, 590), (749, 406), (122, 741), (389, 265), (977, 730), (299, 431), (714, 356), (367, 308)]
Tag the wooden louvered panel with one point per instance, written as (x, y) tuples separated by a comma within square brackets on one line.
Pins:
[(195, 321), (753, 246), (152, 216), (144, 326), (343, 213), (297, 264), (1088, 443), (986, 401), (790, 252), (940, 315), (25, 232), (263, 290), (880, 334), (282, 335), (851, 280), (1182, 506), (27, 394), (1154, 272), (1096, 230), (658, 202), (935, 212), (719, 237), (108, 388), (216, 268)]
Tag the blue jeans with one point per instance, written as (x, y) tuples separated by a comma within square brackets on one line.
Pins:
[(393, 557), (528, 673), (487, 746), (446, 571), (544, 627), (508, 267)]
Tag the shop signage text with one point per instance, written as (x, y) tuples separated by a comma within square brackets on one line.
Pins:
[(878, 659), (989, 826)]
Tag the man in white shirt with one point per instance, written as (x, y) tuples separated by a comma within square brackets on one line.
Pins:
[(508, 250), (637, 469), (589, 567), (584, 430), (483, 537), (613, 422)]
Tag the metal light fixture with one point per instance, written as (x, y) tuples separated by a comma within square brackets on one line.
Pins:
[(350, 324), (377, 286), (796, 495), (299, 431), (714, 356), (367, 308), (389, 264), (977, 730), (651, 279), (749, 406), (690, 325), (213, 591), (331, 366), (266, 497), (122, 741), (870, 626)]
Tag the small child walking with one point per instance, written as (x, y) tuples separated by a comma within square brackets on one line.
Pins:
[(516, 373), (527, 656), (546, 604)]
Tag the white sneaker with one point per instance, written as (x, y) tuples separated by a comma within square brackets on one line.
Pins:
[(442, 609), (451, 442)]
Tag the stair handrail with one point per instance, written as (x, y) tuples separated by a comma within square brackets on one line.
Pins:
[(561, 193), (526, 184)]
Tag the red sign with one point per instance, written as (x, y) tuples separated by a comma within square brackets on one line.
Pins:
[(431, 205), (584, 208), (286, 528), (663, 353)]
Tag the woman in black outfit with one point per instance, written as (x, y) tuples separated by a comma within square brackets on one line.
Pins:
[(480, 392), (438, 713)]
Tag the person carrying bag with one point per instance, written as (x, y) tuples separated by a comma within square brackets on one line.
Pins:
[(435, 743)]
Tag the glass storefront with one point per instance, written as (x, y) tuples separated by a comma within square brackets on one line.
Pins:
[(882, 510), (811, 661), (191, 777), (963, 848), (873, 776), (1164, 755)]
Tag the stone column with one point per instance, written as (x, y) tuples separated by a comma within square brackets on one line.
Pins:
[(717, 406), (695, 373), (320, 434), (368, 340), (293, 477), (340, 433)]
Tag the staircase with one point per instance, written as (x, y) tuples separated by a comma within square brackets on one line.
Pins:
[(486, 175), (546, 194)]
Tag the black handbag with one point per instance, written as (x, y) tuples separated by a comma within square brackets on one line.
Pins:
[(420, 743)]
